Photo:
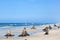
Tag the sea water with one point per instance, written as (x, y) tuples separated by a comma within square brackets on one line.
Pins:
[(13, 26)]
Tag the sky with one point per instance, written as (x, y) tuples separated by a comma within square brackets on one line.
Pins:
[(40, 11)]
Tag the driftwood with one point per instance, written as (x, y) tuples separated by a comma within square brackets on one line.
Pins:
[(9, 34), (50, 27), (24, 33), (25, 39), (33, 27), (55, 25), (58, 27), (46, 30)]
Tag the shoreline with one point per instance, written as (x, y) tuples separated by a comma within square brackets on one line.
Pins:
[(34, 33)]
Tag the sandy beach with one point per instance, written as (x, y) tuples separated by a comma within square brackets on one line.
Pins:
[(35, 34), (29, 19)]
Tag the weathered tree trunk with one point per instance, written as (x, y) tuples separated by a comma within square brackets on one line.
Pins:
[(24, 33), (46, 30), (9, 34)]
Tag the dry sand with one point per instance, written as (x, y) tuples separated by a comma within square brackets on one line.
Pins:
[(53, 35)]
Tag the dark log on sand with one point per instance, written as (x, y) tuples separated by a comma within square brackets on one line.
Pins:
[(46, 30), (9, 35), (50, 27), (25, 39), (24, 33), (33, 27), (55, 25)]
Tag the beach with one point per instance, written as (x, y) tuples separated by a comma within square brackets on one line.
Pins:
[(35, 34)]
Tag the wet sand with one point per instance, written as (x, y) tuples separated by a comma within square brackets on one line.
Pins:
[(54, 34)]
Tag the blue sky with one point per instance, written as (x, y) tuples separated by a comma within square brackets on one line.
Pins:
[(43, 11)]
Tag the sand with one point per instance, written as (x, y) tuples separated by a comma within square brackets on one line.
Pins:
[(54, 34)]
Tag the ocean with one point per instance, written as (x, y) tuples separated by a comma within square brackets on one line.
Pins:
[(17, 24), (4, 27)]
